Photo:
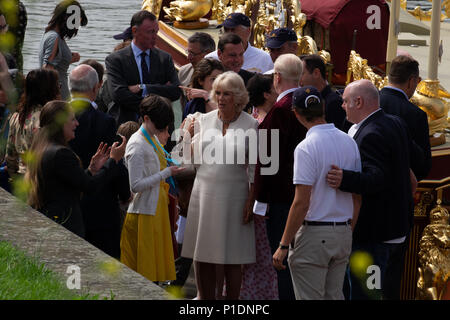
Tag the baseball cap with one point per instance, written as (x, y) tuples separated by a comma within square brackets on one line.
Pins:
[(276, 38), (125, 35), (306, 97), (235, 19)]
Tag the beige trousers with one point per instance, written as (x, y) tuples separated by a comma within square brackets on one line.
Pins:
[(318, 261)]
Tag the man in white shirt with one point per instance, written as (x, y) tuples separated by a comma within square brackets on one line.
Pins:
[(321, 218), (255, 60)]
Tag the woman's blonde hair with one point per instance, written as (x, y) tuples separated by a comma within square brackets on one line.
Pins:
[(231, 81)]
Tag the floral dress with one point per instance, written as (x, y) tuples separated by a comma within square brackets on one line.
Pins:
[(20, 139), (259, 280)]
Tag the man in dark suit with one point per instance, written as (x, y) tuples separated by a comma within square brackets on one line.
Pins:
[(140, 69), (100, 210), (314, 74), (273, 188), (394, 99), (95, 126), (386, 215)]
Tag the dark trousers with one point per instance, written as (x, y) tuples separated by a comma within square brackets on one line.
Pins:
[(388, 259), (182, 269), (278, 213), (107, 240)]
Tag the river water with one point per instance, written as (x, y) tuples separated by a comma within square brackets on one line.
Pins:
[(95, 41), (106, 18)]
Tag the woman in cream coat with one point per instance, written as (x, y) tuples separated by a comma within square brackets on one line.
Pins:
[(146, 241), (218, 228)]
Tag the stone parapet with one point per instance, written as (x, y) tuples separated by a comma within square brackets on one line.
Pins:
[(64, 252)]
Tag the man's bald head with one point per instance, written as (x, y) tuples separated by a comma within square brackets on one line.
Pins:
[(83, 79), (367, 90), (360, 99)]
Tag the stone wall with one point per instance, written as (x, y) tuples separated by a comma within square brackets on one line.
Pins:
[(60, 250)]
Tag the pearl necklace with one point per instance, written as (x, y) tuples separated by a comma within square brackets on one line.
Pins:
[(228, 121)]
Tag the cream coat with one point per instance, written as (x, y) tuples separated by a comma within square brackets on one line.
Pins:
[(144, 174)]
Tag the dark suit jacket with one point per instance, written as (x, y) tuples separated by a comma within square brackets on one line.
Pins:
[(384, 183), (94, 127), (123, 71), (279, 187), (396, 103), (333, 107), (100, 209), (63, 180), (101, 212)]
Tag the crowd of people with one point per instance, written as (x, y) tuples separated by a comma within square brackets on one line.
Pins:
[(99, 159)]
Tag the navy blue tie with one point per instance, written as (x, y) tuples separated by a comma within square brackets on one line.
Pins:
[(144, 68)]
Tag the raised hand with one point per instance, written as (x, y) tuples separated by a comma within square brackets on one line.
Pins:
[(118, 151), (192, 93), (99, 158)]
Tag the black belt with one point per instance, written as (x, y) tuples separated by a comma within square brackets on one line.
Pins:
[(326, 223)]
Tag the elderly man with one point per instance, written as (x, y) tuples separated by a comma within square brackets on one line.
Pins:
[(255, 60), (100, 211), (274, 192), (320, 218), (386, 215), (199, 45), (314, 74), (94, 125), (140, 69)]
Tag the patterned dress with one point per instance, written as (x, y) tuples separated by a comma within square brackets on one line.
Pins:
[(259, 280), (20, 139)]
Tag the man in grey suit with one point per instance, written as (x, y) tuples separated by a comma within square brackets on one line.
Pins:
[(139, 70)]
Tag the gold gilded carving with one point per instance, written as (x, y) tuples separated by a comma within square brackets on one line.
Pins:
[(420, 14), (426, 198), (434, 256), (188, 10), (154, 6), (359, 69), (429, 97)]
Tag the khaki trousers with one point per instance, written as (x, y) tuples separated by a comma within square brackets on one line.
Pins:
[(318, 261)]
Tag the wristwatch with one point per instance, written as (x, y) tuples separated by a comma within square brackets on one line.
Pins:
[(283, 247)]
